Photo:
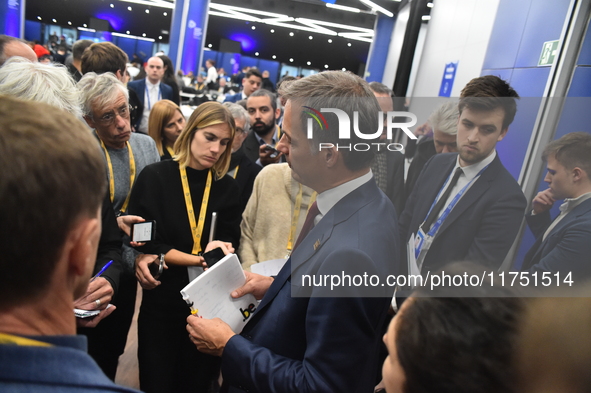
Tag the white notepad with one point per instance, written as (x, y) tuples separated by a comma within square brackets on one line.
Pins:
[(208, 295)]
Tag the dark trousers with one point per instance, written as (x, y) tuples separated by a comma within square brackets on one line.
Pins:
[(168, 360), (106, 341)]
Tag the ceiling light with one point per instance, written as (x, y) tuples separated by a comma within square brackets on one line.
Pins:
[(70, 23), (85, 25), (426, 17), (291, 60), (343, 69), (326, 66), (128, 8), (309, 63), (291, 33), (159, 37), (343, 8), (137, 38), (127, 31), (112, 5), (348, 44), (85, 29), (430, 5), (54, 21), (310, 37), (144, 34), (329, 41), (209, 46), (165, 14), (376, 7), (39, 17), (147, 11), (152, 3), (256, 53), (274, 57), (272, 30)]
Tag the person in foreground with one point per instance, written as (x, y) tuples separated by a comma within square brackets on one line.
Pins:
[(305, 338), (454, 339), (59, 211)]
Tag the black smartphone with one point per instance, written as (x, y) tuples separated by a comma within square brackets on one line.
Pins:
[(214, 256), (274, 151), (142, 232)]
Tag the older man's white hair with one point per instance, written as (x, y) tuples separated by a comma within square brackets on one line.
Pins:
[(48, 83), (99, 91)]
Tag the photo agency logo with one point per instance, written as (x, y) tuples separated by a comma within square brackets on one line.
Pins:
[(380, 139)]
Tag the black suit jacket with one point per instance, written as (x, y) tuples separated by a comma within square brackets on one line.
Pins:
[(567, 247), (247, 172), (482, 226)]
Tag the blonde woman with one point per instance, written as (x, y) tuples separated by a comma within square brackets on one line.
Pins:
[(181, 195), (165, 125)]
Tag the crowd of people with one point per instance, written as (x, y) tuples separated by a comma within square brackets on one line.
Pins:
[(86, 154)]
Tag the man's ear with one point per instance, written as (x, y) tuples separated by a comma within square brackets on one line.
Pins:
[(90, 121), (503, 134), (82, 243), (578, 174), (331, 156), (119, 75), (277, 113)]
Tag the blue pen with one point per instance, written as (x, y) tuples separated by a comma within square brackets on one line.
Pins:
[(101, 271)]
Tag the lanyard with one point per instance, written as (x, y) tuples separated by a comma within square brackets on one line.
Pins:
[(451, 205), (196, 229), (148, 96), (296, 216), (236, 171), (112, 178), (170, 151), (278, 133), (9, 339)]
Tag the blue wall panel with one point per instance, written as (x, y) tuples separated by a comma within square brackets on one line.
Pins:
[(126, 44), (504, 73), (272, 67), (33, 31), (505, 39), (581, 83), (144, 48), (530, 82), (544, 23), (379, 51)]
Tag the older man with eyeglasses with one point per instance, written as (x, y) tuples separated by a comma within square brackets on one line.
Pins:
[(105, 107)]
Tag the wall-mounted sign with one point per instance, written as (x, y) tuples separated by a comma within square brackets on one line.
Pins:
[(549, 51), (447, 82)]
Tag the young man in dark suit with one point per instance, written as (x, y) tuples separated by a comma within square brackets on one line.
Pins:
[(478, 215)]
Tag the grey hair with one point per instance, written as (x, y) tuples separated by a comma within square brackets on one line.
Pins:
[(239, 113), (99, 90), (48, 83), (445, 118)]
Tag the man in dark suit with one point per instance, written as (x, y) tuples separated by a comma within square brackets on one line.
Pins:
[(250, 83), (150, 90), (388, 165), (263, 112), (466, 205), (563, 245), (303, 336)]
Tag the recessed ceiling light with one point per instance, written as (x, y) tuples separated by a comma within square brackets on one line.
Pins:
[(128, 8), (291, 60), (274, 57), (430, 5), (54, 21), (272, 30), (426, 17), (309, 63), (147, 11), (127, 31), (84, 25), (39, 17), (343, 69), (256, 53), (326, 66), (159, 37), (329, 41), (348, 44), (291, 33), (143, 34), (310, 37), (165, 14), (209, 46), (70, 23), (254, 27), (112, 5)]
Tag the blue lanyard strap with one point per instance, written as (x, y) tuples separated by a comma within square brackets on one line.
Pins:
[(451, 205)]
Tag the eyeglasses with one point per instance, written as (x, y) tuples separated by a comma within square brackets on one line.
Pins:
[(109, 118)]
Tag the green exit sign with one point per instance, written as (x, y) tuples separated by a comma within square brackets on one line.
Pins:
[(549, 51)]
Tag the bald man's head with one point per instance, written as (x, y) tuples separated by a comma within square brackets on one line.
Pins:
[(10, 47)]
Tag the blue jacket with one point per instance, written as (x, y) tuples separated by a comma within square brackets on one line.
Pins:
[(139, 87)]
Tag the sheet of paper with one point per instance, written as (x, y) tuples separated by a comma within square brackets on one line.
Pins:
[(268, 268), (208, 295), (413, 268)]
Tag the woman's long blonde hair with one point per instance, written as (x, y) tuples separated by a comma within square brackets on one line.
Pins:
[(160, 115)]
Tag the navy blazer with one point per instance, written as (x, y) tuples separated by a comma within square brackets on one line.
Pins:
[(482, 226), (567, 247), (317, 343), (139, 86), (233, 97)]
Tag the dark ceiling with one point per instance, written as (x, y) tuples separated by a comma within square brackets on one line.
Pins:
[(298, 47)]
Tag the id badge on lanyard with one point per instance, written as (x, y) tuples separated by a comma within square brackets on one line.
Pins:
[(422, 244)]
